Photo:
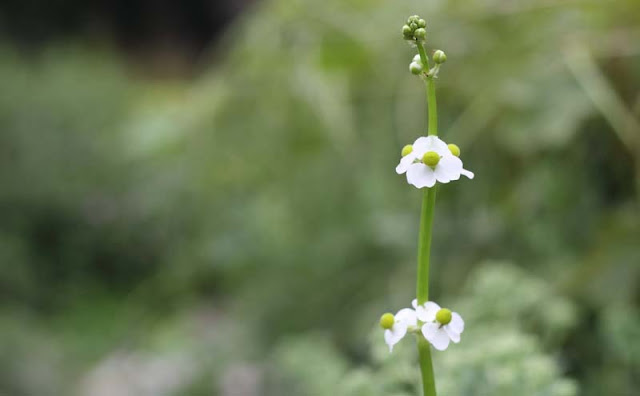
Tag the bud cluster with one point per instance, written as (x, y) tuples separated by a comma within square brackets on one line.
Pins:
[(415, 32), (415, 29)]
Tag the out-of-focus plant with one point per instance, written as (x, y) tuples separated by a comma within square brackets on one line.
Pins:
[(501, 354)]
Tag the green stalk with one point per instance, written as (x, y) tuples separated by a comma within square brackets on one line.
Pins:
[(424, 241)]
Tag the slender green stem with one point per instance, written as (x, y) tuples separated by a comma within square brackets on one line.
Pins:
[(426, 367), (424, 250), (423, 55), (433, 107), (424, 241), (424, 244)]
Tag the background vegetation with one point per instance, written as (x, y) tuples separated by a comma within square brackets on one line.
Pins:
[(236, 227)]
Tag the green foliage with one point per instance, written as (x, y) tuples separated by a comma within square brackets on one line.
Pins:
[(497, 355)]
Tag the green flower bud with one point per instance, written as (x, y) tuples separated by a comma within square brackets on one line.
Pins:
[(387, 321), (439, 57), (413, 18), (431, 158), (422, 23), (413, 26), (420, 33), (406, 150), (455, 150), (406, 30), (415, 68), (443, 316)]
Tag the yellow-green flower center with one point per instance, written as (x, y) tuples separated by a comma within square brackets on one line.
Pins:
[(387, 320), (406, 150), (431, 158), (443, 316), (455, 150)]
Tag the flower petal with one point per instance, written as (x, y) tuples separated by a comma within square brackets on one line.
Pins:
[(431, 309), (436, 336), (441, 173), (421, 176), (451, 165), (407, 317), (467, 173), (456, 324), (421, 313), (430, 143), (405, 162), (394, 335), (453, 335)]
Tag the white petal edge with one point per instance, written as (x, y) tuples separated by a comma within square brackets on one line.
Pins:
[(407, 317), (420, 175), (431, 311), (467, 173), (393, 336), (436, 336), (452, 166), (405, 163), (441, 173), (452, 334), (432, 143), (457, 324)]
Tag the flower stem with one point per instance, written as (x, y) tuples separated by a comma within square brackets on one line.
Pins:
[(424, 244), (424, 250), (424, 241)]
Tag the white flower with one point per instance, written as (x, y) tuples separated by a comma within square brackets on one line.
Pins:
[(404, 319), (444, 167), (440, 325)]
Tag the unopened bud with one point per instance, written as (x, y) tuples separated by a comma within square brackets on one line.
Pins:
[(439, 57), (420, 33), (415, 68)]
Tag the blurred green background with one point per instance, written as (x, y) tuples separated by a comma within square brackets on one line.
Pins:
[(205, 203)]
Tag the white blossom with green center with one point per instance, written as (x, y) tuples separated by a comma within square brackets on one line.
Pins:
[(430, 159), (396, 327), (440, 324)]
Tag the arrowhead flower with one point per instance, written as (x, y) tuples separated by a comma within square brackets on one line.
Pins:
[(430, 159), (440, 324), (396, 327)]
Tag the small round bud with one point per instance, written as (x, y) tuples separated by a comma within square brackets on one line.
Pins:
[(443, 316), (406, 150), (413, 26), (455, 150), (422, 23), (439, 57), (431, 158), (406, 30), (387, 321), (415, 68), (420, 33)]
